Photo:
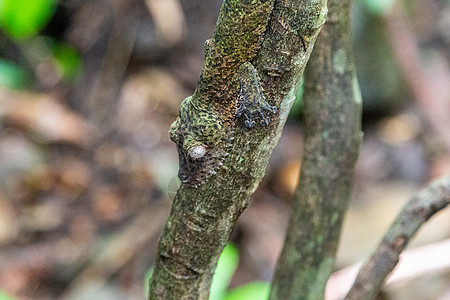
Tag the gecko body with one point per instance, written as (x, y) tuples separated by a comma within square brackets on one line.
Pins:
[(228, 89)]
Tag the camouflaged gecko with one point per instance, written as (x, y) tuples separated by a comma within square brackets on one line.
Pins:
[(228, 88)]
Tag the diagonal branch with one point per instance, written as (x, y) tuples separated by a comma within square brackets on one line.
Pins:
[(416, 212)]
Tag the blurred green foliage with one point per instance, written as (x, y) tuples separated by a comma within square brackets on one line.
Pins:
[(147, 277), (227, 265), (379, 7), (13, 76), (4, 296), (225, 269), (256, 290), (297, 108), (67, 60), (21, 21)]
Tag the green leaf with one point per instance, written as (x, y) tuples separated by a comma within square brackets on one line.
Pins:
[(225, 269), (13, 76), (22, 19), (297, 107), (4, 296), (67, 61), (256, 290), (147, 277)]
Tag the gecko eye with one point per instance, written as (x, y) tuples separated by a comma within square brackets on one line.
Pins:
[(197, 152)]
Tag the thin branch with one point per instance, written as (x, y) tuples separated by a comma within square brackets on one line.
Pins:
[(414, 263), (416, 212)]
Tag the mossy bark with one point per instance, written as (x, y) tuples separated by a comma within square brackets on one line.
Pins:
[(202, 218), (332, 139)]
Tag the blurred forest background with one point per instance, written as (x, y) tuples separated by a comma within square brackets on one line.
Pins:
[(88, 90)]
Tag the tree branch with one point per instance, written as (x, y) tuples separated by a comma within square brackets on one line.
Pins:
[(416, 262), (333, 137), (203, 215), (416, 212)]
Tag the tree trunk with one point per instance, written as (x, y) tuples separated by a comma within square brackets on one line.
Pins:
[(332, 140)]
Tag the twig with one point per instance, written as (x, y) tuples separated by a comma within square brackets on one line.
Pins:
[(416, 212), (416, 262)]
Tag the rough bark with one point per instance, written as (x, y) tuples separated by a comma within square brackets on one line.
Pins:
[(415, 213), (202, 218), (332, 140)]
